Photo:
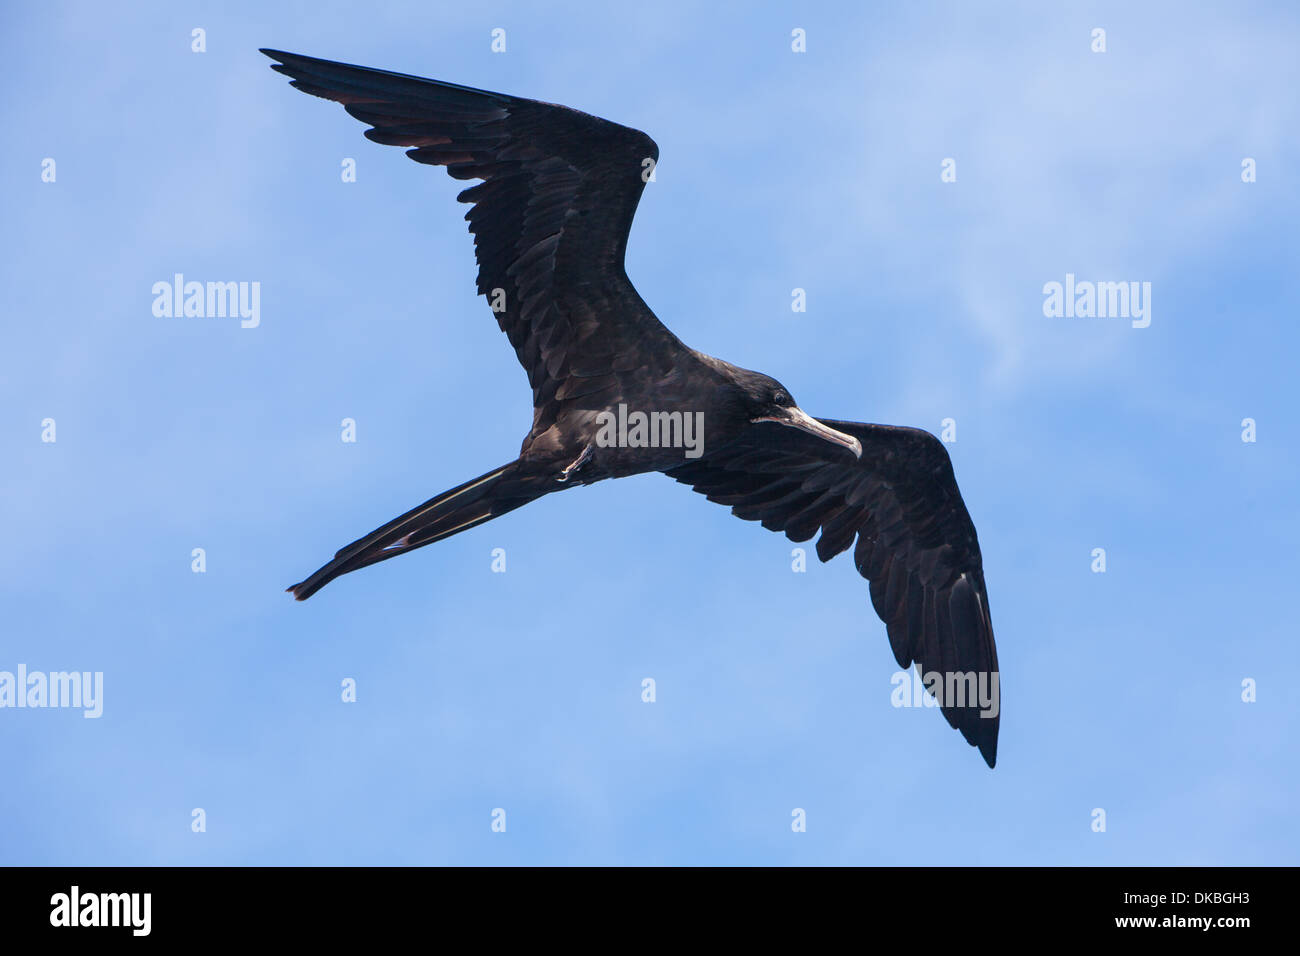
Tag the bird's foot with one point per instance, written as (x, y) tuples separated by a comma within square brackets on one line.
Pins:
[(574, 465)]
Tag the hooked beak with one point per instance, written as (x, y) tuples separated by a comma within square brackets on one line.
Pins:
[(798, 418)]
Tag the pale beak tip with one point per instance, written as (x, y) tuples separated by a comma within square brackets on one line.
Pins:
[(798, 418)]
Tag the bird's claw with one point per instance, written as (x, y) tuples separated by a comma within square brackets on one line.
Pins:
[(574, 465)]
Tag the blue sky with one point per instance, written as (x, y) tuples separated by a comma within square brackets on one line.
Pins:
[(479, 690)]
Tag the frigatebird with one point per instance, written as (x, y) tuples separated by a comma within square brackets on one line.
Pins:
[(550, 220)]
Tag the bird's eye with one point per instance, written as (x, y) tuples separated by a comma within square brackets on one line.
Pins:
[(781, 398)]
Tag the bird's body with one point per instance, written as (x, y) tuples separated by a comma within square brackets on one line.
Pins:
[(684, 390), (615, 393)]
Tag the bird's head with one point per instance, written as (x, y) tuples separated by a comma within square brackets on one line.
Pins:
[(764, 399)]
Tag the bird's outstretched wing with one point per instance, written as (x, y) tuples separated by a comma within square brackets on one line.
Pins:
[(550, 219), (915, 543)]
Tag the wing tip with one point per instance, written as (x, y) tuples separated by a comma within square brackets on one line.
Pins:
[(989, 751)]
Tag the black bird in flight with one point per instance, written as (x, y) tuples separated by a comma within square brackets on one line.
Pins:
[(550, 221)]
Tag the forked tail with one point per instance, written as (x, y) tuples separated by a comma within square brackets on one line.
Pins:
[(486, 497)]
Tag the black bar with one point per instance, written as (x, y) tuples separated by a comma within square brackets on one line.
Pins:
[(332, 904)]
